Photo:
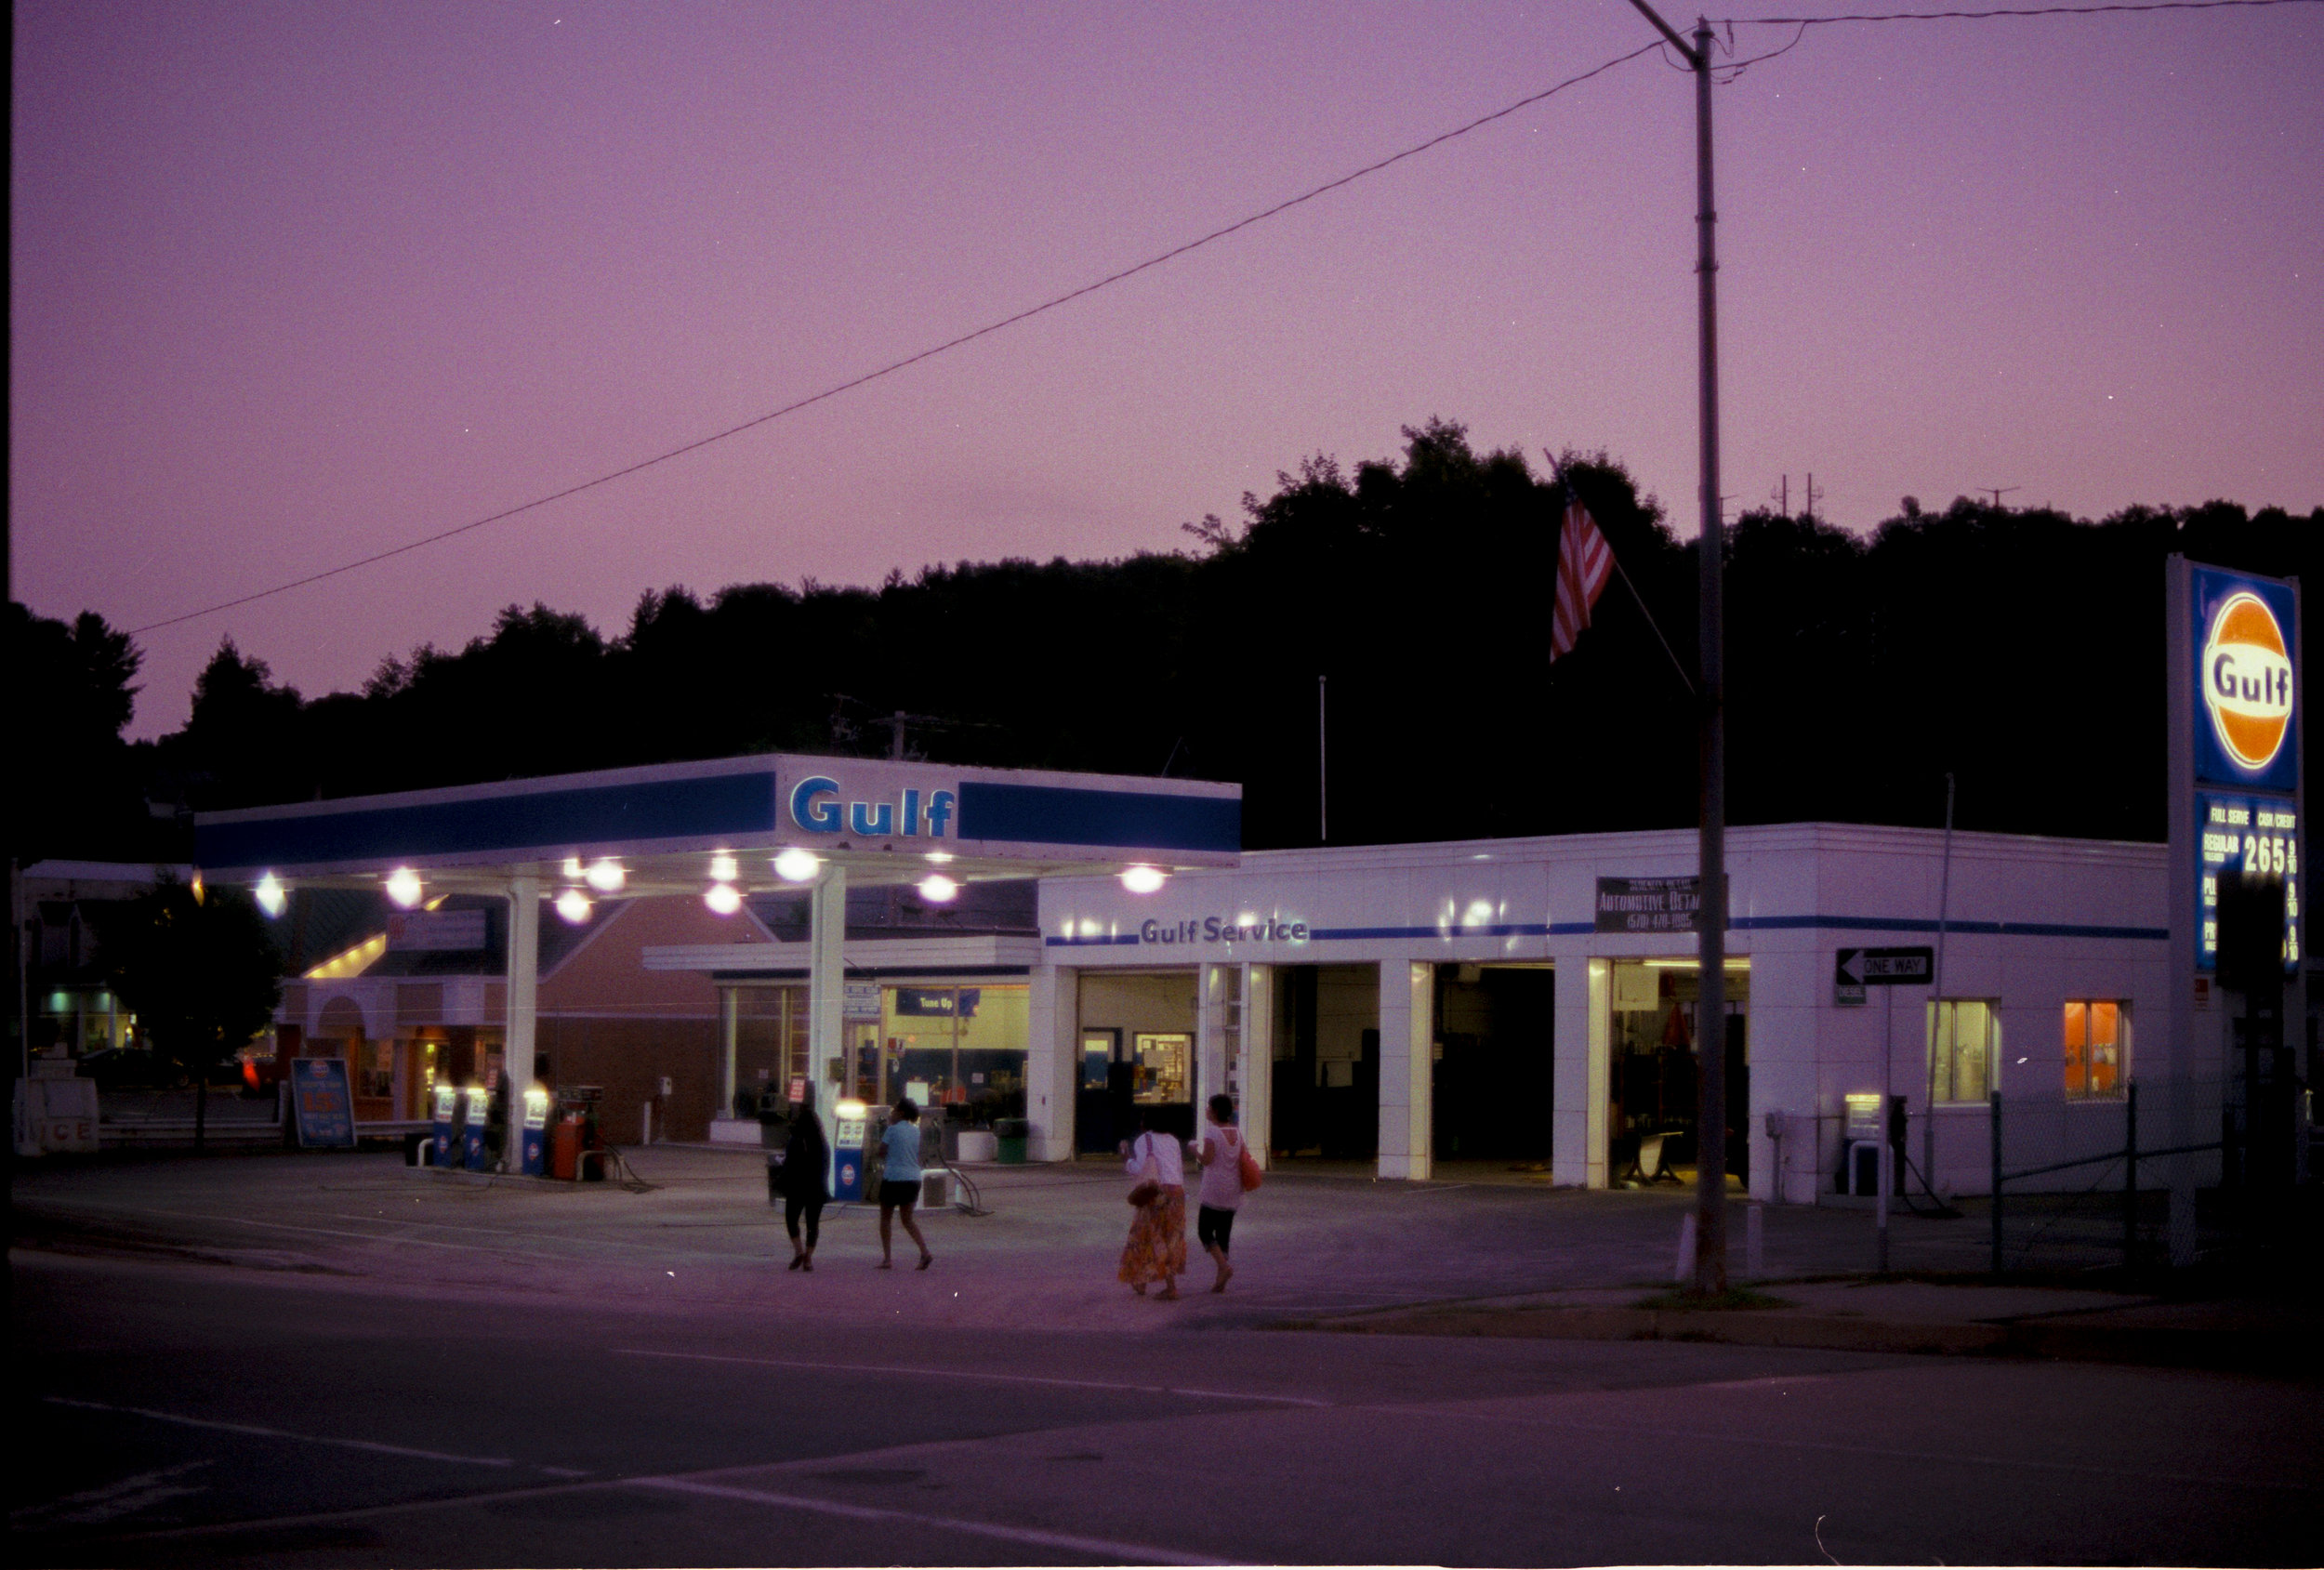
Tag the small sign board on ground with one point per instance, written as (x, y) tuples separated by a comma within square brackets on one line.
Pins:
[(323, 1102), (1856, 968)]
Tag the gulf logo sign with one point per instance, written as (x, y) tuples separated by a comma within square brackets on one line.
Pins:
[(2246, 680)]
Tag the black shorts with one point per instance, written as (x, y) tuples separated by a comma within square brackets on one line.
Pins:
[(896, 1195), (1213, 1227)]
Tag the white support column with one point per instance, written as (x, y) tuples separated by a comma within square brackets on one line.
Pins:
[(827, 986), (525, 978), (1052, 1067), (1580, 1073), (1219, 1002), (1601, 1039), (1407, 1037), (1255, 1074), (730, 1031)]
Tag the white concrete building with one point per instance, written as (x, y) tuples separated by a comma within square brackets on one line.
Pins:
[(1420, 1003)]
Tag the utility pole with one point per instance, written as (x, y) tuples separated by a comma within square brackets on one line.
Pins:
[(1710, 1157), (1996, 492), (1811, 495)]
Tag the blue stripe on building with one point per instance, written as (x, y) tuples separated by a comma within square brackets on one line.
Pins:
[(723, 804), (1064, 815), (1745, 924)]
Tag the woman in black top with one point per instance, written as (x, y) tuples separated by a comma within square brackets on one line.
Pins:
[(805, 1190)]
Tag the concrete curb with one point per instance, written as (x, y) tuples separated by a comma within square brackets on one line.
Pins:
[(2279, 1353)]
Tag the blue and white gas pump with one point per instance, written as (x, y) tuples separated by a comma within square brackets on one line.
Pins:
[(476, 1109), (849, 1123), (535, 1161), (446, 1124)]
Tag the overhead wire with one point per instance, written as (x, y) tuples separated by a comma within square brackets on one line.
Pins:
[(893, 367), (2096, 9), (1727, 73)]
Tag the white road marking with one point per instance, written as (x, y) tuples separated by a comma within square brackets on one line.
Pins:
[(95, 1506), (1104, 1549), (916, 1373), (263, 1432)]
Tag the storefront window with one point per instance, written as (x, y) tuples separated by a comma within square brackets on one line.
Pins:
[(1964, 1045), (1163, 1061), (965, 1044), (2097, 1049)]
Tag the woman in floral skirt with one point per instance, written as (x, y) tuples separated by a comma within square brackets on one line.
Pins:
[(1156, 1250)]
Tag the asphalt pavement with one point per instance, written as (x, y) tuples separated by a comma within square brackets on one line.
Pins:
[(337, 1361)]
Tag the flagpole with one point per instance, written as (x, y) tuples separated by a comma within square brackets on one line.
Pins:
[(1710, 1156)]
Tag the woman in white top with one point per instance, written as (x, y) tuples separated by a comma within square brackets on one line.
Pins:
[(1156, 1249), (1222, 1193)]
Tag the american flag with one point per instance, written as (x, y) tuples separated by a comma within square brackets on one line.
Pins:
[(1584, 563)]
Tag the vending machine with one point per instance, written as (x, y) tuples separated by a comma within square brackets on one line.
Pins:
[(476, 1111), (849, 1125), (533, 1147), (446, 1124)]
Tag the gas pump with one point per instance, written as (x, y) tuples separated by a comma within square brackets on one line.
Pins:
[(446, 1122), (534, 1160), (476, 1110), (851, 1124)]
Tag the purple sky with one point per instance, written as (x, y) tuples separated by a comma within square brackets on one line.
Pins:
[(290, 284)]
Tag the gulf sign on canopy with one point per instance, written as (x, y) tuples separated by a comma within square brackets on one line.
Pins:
[(2246, 670)]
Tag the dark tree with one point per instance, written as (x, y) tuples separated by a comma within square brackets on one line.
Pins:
[(75, 793), (200, 972)]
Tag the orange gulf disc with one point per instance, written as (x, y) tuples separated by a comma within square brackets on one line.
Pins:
[(2252, 718)]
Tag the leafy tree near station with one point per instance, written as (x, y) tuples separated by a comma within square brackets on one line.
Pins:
[(199, 970), (2018, 649), (70, 690)]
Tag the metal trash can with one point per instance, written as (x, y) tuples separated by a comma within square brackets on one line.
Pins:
[(1013, 1134)]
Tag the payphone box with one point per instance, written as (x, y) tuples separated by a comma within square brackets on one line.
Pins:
[(475, 1109), (446, 1124), (534, 1160), (849, 1125)]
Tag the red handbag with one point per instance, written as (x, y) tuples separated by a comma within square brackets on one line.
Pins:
[(1249, 1170)]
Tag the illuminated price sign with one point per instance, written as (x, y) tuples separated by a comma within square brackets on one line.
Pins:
[(2245, 834)]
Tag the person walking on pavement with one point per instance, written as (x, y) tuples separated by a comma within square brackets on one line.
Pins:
[(1222, 1191), (805, 1189), (1156, 1249), (900, 1180)]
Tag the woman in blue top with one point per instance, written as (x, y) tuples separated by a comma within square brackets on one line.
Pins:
[(900, 1180)]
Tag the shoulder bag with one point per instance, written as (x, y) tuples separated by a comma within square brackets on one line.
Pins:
[(1144, 1192)]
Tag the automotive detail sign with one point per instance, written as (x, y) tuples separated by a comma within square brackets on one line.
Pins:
[(1649, 904), (2244, 639)]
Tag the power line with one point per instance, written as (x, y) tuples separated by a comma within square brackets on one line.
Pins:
[(2012, 11), (910, 360)]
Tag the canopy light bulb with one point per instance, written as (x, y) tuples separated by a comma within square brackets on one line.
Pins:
[(270, 896), (724, 868), (723, 898), (937, 888), (605, 876), (939, 857), (798, 865), (1142, 880), (573, 905), (403, 887)]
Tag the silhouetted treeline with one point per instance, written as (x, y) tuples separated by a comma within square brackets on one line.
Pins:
[(2020, 650)]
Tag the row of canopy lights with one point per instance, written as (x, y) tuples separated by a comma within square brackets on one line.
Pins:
[(795, 865)]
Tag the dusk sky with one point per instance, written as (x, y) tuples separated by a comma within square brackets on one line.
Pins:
[(293, 283)]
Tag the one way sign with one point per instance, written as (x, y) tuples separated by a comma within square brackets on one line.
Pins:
[(1856, 968)]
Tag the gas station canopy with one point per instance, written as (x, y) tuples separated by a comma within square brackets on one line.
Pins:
[(724, 829), (678, 827)]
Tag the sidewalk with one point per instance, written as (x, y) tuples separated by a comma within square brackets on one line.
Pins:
[(1328, 1251), (2273, 1336)]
